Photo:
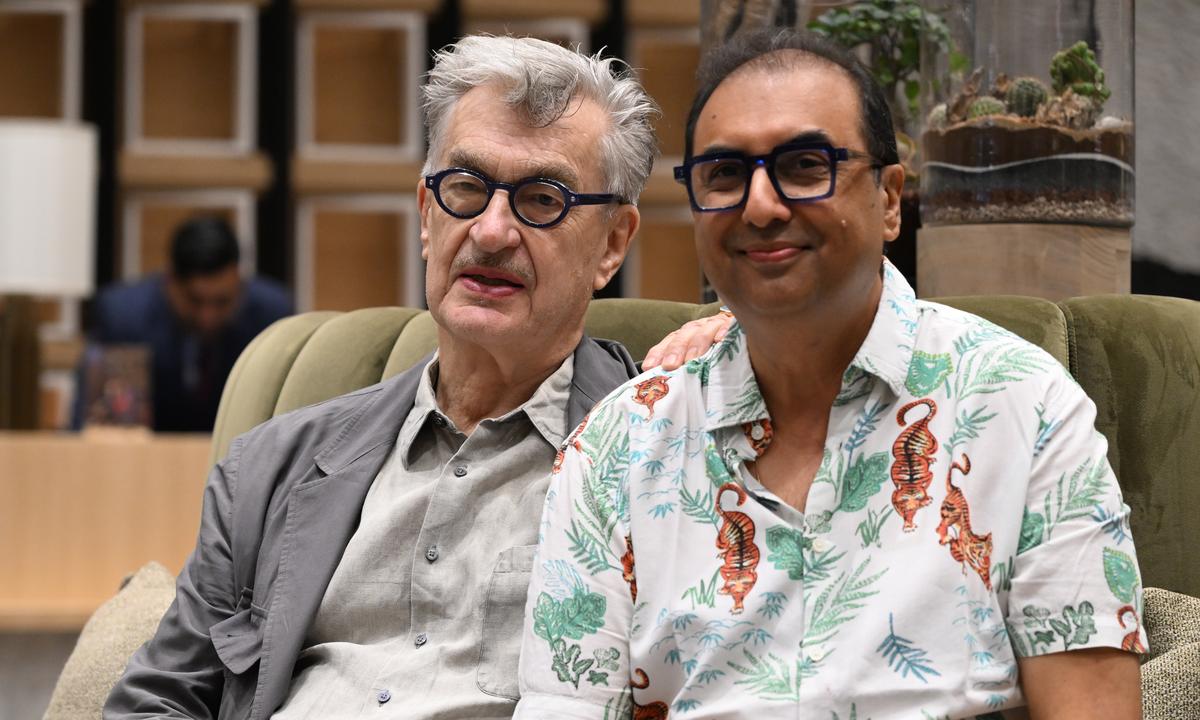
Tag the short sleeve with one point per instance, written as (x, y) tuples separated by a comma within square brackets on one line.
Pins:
[(1075, 582), (575, 645)]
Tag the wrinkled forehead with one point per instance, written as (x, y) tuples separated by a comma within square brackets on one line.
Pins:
[(489, 134)]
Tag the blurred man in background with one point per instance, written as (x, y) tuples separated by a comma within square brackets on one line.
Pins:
[(195, 319)]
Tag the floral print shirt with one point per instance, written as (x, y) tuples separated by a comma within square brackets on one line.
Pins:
[(964, 515)]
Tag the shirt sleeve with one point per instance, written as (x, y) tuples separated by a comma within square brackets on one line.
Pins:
[(1075, 582), (575, 646)]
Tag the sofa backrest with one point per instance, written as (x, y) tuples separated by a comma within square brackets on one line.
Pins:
[(1137, 357)]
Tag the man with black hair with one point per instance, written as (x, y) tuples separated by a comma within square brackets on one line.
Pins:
[(858, 504), (196, 319)]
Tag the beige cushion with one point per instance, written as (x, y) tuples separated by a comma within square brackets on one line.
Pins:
[(117, 629), (1171, 671)]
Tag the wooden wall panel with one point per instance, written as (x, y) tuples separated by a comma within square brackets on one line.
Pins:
[(568, 32), (358, 258), (189, 82), (667, 60), (665, 265), (31, 64), (358, 73)]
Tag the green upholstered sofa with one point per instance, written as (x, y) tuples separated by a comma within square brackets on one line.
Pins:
[(1137, 357)]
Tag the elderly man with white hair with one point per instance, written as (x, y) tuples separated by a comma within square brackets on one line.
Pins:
[(369, 556)]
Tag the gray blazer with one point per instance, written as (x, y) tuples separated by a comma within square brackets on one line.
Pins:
[(278, 513)]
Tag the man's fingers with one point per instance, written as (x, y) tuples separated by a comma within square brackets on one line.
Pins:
[(688, 342), (655, 355)]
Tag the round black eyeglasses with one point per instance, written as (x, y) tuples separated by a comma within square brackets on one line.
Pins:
[(537, 202)]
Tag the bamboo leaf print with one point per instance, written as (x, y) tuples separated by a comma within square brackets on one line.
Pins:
[(1121, 574), (620, 707), (864, 426), (748, 406), (855, 384), (1075, 498), (772, 678), (985, 367), (968, 426), (853, 713), (839, 602), (903, 657), (588, 549), (1046, 430), (703, 593), (698, 506), (872, 526)]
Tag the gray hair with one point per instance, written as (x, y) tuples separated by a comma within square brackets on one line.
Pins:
[(541, 79)]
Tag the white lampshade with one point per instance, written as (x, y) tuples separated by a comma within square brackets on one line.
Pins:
[(47, 207)]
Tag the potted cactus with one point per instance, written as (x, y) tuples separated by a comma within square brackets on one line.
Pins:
[(1022, 150)]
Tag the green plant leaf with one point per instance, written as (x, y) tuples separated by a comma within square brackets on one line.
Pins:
[(787, 548), (1121, 574), (579, 615), (862, 481), (1032, 527)]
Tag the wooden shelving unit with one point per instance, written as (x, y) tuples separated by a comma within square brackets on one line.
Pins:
[(356, 251), (663, 44)]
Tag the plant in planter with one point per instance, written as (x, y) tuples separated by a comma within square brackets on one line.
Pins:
[(1024, 152), (892, 32)]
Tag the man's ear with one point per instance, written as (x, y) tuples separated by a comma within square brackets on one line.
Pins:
[(622, 226), (891, 185), (424, 201)]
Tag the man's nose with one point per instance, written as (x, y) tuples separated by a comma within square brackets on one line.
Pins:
[(495, 229), (763, 204)]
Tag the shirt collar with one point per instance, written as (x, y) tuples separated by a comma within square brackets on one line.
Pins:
[(732, 393), (888, 348), (546, 409)]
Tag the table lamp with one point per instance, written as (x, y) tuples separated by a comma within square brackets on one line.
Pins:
[(48, 181)]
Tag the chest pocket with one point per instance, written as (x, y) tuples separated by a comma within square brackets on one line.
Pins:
[(503, 618)]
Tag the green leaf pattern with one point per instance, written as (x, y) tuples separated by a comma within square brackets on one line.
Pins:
[(840, 584)]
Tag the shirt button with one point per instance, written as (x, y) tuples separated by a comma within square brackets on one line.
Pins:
[(383, 696), (421, 640), (432, 553), (757, 432), (460, 471)]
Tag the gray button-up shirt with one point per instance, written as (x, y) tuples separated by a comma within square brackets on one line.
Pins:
[(422, 618)]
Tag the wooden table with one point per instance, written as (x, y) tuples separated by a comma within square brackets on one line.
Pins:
[(80, 512)]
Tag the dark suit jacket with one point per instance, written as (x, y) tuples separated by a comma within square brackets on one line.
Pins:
[(278, 513), (139, 313)]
